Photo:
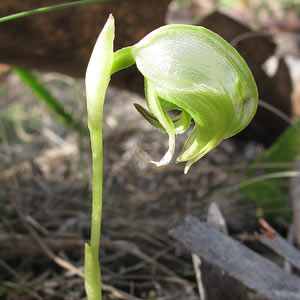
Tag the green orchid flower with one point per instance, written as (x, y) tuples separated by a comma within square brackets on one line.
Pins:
[(186, 68), (193, 70)]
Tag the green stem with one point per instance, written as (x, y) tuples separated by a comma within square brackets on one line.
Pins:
[(46, 9), (123, 58), (92, 266), (93, 275), (96, 143)]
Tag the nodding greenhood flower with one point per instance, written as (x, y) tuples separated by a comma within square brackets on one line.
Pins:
[(192, 70), (186, 68)]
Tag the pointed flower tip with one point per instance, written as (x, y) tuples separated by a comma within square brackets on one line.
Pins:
[(102, 54), (110, 23), (98, 72), (186, 169), (165, 160)]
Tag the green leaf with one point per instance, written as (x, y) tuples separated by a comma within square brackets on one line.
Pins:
[(270, 196), (285, 149)]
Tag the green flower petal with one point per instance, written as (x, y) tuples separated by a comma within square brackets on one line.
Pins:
[(163, 118), (192, 69), (181, 122), (149, 117)]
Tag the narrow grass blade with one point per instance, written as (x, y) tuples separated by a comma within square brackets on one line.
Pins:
[(46, 9), (45, 95)]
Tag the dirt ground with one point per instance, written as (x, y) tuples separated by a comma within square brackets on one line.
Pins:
[(45, 198)]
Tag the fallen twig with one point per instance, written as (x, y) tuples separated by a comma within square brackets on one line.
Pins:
[(280, 246), (295, 195), (256, 272)]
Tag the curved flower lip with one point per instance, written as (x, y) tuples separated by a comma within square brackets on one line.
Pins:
[(194, 70)]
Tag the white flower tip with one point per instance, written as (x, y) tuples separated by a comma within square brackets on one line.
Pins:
[(165, 160), (186, 169)]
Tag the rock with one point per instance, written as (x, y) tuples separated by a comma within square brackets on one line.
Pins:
[(62, 40)]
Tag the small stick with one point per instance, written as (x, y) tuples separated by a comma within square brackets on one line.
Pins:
[(290, 239), (64, 264), (43, 246), (295, 195), (197, 263)]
